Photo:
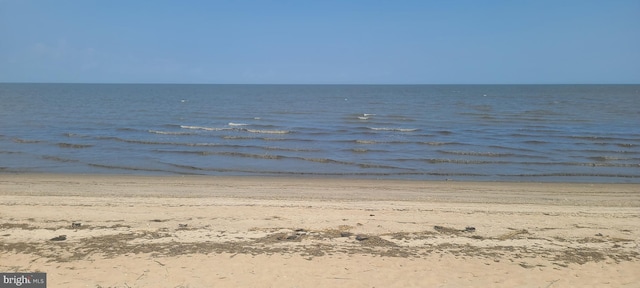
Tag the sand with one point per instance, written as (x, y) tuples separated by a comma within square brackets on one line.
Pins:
[(135, 231)]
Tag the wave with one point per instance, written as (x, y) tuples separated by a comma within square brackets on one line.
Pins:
[(601, 138), (76, 135), (458, 161), (253, 147), (234, 137), (224, 153), (474, 153), (361, 165), (608, 158), (26, 141), (290, 149), (365, 116), (146, 142), (316, 173), (377, 166), (59, 159), (238, 137), (250, 155), (393, 129), (369, 142), (583, 164), (73, 135), (325, 160), (538, 129), (168, 132), (127, 129), (598, 164), (219, 170), (280, 157), (399, 117), (535, 142), (515, 149), (107, 166), (200, 153), (267, 131), (522, 135), (237, 124), (203, 128), (518, 163), (132, 168), (390, 171), (595, 151), (436, 143), (74, 146)]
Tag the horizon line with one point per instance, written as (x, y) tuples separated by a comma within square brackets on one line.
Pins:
[(310, 84)]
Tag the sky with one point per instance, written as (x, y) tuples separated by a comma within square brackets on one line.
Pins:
[(321, 42)]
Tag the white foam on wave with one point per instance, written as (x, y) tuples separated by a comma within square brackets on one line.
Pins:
[(268, 131), (366, 116), (167, 132), (237, 124), (393, 129), (202, 128)]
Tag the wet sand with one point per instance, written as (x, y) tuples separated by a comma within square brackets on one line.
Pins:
[(135, 231)]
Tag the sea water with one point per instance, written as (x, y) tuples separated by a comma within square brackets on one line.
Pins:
[(545, 133)]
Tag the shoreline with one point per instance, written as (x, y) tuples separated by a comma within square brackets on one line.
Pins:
[(204, 231), (574, 194)]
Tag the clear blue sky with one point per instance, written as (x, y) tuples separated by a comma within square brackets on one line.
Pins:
[(322, 41)]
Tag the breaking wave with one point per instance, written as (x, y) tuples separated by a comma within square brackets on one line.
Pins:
[(203, 128), (267, 131), (169, 132), (394, 129)]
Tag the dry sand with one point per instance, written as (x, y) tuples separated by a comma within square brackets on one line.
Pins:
[(276, 232)]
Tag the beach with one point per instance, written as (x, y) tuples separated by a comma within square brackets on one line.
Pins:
[(211, 231)]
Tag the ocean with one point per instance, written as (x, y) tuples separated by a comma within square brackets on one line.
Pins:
[(537, 133)]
